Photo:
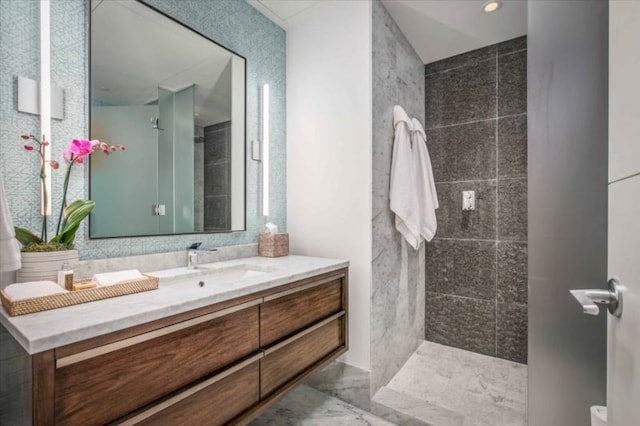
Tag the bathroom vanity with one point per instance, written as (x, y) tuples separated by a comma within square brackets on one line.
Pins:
[(212, 346)]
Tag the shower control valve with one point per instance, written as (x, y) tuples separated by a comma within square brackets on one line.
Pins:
[(468, 200)]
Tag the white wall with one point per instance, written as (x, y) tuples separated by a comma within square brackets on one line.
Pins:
[(329, 148), (623, 351)]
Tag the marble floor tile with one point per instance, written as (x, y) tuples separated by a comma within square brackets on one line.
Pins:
[(460, 387), (308, 407), (515, 400), (352, 385), (433, 414), (394, 415), (512, 417), (344, 382)]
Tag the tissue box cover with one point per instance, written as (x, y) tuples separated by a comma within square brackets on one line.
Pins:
[(273, 245)]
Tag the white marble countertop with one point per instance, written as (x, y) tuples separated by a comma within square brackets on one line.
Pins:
[(178, 292)]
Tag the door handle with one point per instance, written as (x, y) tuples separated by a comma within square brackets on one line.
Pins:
[(612, 297)]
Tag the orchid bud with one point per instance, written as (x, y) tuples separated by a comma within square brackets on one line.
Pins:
[(28, 147), (122, 148), (106, 151), (113, 148), (45, 143), (54, 164), (24, 136)]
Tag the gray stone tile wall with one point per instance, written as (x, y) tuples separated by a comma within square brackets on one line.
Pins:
[(397, 294), (476, 267), (217, 177)]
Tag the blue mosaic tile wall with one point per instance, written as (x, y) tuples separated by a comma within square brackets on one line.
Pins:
[(233, 23)]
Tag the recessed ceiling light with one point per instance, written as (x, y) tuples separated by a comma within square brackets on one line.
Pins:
[(491, 6)]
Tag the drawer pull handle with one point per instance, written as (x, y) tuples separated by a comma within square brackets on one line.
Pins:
[(188, 392), (303, 287), (120, 344), (303, 333)]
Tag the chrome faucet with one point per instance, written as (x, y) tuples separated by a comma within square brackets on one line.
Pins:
[(192, 255)]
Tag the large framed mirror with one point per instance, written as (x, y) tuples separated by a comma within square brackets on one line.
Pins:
[(176, 99)]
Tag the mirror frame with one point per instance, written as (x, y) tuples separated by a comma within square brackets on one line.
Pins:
[(89, 39)]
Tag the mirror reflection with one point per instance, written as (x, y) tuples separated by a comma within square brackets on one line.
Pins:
[(176, 100)]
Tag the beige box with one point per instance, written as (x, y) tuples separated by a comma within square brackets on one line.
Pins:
[(273, 245)]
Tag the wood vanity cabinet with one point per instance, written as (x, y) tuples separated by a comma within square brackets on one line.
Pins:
[(221, 364)]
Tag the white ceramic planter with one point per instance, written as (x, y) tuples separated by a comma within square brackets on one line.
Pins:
[(45, 266)]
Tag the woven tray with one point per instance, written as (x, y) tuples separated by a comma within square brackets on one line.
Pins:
[(55, 301)]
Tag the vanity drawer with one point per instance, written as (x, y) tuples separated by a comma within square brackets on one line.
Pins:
[(214, 401), (283, 314), (108, 382), (288, 359)]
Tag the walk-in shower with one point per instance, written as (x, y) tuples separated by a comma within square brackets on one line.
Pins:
[(472, 365)]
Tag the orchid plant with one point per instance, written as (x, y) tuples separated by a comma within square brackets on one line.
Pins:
[(71, 215)]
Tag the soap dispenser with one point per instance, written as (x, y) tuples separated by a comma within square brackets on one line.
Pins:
[(65, 277)]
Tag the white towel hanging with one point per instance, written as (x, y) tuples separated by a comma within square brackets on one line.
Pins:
[(425, 185), (402, 193)]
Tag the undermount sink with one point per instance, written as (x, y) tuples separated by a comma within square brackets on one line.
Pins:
[(232, 274), (216, 268), (215, 273)]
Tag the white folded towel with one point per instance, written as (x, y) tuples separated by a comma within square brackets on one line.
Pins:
[(9, 246), (425, 185), (32, 289), (402, 191), (111, 278)]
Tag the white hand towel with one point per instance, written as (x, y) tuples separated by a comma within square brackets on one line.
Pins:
[(111, 278), (402, 193), (425, 185), (9, 246), (32, 289)]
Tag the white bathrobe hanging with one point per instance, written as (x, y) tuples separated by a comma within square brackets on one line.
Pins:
[(402, 194), (425, 185), (9, 246)]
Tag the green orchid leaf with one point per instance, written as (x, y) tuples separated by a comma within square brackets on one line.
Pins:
[(74, 214), (72, 208), (26, 237)]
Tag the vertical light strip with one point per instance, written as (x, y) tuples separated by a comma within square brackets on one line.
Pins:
[(45, 100), (265, 150)]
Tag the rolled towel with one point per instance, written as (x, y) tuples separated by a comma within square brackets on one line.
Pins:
[(32, 289), (111, 278)]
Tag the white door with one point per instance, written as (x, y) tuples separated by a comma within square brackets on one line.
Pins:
[(623, 341)]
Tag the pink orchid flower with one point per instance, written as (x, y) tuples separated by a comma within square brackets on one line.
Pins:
[(79, 150)]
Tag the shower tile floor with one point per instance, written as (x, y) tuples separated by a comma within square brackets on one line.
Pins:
[(305, 406), (445, 386)]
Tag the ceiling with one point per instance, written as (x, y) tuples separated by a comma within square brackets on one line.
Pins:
[(135, 50), (280, 11), (436, 29)]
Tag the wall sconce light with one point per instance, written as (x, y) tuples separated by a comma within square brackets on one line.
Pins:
[(265, 150), (45, 101)]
